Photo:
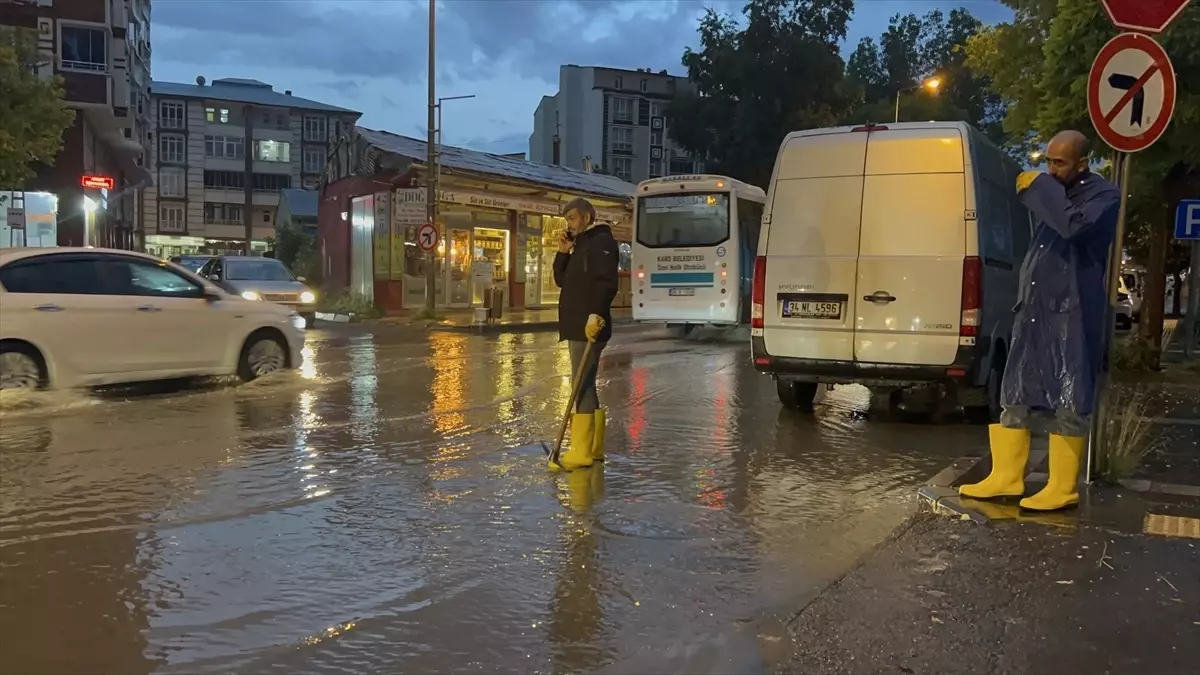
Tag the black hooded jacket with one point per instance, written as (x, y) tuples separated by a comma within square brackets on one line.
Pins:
[(588, 279)]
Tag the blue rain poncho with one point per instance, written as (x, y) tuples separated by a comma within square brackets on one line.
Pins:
[(1057, 347)]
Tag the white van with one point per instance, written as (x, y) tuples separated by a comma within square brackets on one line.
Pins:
[(889, 257)]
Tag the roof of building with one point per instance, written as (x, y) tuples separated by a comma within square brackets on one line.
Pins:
[(241, 90), (546, 175), (301, 203)]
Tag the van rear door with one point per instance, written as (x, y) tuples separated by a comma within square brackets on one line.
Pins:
[(913, 242), (811, 245)]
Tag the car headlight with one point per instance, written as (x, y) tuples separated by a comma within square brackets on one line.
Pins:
[(308, 297), (251, 295)]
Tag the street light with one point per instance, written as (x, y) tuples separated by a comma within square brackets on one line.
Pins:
[(438, 134), (932, 84)]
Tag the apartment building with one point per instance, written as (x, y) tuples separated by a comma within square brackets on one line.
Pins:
[(91, 194), (222, 153), (611, 121)]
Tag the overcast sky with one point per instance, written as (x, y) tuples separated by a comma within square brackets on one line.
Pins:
[(370, 55)]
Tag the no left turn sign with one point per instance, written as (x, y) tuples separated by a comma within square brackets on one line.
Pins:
[(1131, 92), (427, 237)]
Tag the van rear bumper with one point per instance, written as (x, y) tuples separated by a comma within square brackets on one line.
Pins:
[(964, 369)]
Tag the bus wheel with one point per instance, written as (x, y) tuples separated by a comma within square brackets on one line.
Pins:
[(797, 395)]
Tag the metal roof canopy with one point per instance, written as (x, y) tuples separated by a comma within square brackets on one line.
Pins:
[(461, 160), (238, 90)]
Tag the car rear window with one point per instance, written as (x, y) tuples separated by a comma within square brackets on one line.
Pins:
[(56, 276)]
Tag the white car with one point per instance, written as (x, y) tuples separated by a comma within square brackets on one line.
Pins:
[(75, 317)]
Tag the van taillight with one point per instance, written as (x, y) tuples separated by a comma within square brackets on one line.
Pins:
[(972, 289), (758, 292)]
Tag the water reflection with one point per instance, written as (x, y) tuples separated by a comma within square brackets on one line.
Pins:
[(449, 363), (576, 614)]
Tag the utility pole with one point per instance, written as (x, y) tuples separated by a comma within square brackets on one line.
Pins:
[(430, 165)]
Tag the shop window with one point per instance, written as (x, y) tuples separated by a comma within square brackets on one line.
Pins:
[(552, 229)]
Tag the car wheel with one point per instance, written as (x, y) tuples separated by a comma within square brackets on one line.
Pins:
[(796, 395), (263, 354), (20, 368)]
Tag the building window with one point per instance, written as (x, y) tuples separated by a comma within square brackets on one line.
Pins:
[(314, 128), (224, 147), (222, 214), (171, 149), (216, 115), (170, 115), (272, 182), (266, 119), (618, 83), (281, 122), (170, 218), (84, 48), (623, 109), (623, 167), (314, 160), (622, 139), (655, 168), (656, 137), (172, 182), (272, 151), (656, 109), (645, 85), (224, 180)]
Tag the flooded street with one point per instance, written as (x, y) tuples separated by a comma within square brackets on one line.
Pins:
[(386, 511)]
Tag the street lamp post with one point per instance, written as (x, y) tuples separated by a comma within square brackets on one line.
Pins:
[(931, 84), (430, 158), (438, 135)]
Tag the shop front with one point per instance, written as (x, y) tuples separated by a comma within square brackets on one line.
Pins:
[(165, 246)]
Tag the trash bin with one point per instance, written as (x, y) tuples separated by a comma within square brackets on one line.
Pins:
[(493, 300)]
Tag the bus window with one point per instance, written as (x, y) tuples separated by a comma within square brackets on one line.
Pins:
[(683, 221)]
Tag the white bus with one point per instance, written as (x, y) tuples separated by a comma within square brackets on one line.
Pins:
[(694, 242)]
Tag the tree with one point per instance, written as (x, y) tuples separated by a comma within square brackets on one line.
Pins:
[(1039, 63), (774, 71), (32, 113)]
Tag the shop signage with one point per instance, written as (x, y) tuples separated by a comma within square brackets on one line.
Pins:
[(97, 182), (16, 217), (415, 196)]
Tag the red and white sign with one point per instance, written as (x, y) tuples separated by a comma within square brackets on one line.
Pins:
[(427, 237), (97, 182), (1144, 16), (1131, 92)]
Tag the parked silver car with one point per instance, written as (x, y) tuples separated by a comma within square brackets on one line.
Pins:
[(263, 279)]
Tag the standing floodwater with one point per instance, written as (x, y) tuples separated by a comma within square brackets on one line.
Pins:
[(382, 511)]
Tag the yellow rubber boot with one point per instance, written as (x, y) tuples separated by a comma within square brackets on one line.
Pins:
[(579, 453), (1062, 490), (1010, 452), (598, 443)]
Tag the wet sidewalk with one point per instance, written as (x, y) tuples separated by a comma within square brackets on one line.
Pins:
[(950, 596), (511, 320)]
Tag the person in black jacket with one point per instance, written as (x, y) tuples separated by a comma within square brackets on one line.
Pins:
[(586, 271)]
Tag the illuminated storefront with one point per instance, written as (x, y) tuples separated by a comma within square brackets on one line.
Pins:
[(166, 246)]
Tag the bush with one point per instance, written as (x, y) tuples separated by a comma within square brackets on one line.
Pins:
[(354, 304), (1129, 434)]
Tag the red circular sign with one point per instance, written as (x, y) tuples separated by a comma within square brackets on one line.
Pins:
[(1131, 92), (427, 237)]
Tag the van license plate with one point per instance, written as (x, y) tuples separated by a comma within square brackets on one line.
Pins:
[(681, 291), (806, 309)]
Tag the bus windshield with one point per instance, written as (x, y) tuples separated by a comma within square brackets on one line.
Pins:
[(683, 220)]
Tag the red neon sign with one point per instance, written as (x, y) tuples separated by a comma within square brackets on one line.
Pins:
[(97, 182)]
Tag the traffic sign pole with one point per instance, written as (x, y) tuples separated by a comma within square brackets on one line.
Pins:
[(1192, 321)]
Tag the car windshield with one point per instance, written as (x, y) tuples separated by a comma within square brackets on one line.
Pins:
[(258, 269), (683, 220)]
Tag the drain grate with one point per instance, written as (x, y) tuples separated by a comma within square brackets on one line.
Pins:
[(1171, 526)]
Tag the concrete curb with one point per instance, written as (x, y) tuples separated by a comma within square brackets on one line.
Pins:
[(501, 328), (940, 497)]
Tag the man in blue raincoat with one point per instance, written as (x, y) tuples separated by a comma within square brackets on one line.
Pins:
[(1057, 346)]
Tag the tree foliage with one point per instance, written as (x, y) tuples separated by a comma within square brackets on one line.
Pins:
[(1039, 63), (744, 104), (32, 113)]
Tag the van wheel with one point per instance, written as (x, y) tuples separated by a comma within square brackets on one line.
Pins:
[(797, 395), (885, 403)]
